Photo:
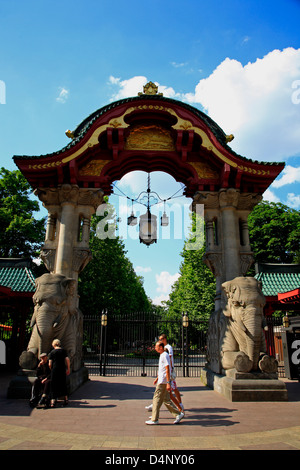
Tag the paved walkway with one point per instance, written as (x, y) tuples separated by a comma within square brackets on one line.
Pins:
[(108, 413)]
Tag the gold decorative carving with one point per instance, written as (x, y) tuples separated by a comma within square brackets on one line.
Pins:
[(149, 138), (94, 139), (253, 171), (150, 89), (44, 166), (204, 171), (93, 168)]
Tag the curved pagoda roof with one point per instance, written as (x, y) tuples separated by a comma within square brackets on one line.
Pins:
[(150, 133), (16, 277)]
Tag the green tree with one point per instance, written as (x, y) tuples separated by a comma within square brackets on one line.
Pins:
[(194, 291), (274, 231), (109, 280), (21, 235)]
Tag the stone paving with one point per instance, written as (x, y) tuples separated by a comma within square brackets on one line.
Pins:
[(108, 413)]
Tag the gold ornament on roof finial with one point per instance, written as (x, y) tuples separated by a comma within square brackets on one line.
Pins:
[(150, 89), (69, 134)]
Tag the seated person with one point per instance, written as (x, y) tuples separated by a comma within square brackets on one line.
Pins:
[(41, 386)]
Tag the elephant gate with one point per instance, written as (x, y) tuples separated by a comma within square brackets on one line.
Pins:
[(150, 132)]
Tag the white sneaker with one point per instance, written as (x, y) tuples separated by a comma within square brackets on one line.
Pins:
[(149, 408), (179, 418), (151, 422)]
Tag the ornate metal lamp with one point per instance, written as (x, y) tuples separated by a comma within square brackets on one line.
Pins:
[(148, 228), (164, 220), (286, 321), (148, 221), (104, 318), (185, 320), (132, 219)]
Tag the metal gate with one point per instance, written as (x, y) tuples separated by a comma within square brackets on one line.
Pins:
[(125, 346)]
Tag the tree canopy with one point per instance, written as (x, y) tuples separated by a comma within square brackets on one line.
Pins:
[(194, 291), (274, 231), (21, 234)]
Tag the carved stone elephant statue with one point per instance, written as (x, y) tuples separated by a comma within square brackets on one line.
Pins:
[(54, 316), (244, 346)]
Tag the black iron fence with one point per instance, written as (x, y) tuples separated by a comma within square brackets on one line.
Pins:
[(125, 346)]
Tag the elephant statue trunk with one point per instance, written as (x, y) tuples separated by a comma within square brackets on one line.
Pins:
[(253, 325)]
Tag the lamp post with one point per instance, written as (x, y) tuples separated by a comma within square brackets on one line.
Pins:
[(184, 329), (286, 321), (103, 326)]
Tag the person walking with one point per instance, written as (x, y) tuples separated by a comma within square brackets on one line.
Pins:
[(163, 387), (60, 367), (178, 399)]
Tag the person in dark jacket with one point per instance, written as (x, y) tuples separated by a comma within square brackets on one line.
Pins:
[(60, 367), (41, 387)]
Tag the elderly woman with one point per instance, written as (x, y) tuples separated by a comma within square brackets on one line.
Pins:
[(59, 364)]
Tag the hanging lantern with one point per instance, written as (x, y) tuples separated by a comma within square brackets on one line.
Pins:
[(132, 220), (148, 228), (164, 220)]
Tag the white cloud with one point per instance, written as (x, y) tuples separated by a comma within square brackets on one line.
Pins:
[(127, 88), (270, 196), (179, 64), (293, 201), (289, 175), (159, 299), (134, 85), (141, 269), (63, 95), (165, 280), (254, 102), (135, 181)]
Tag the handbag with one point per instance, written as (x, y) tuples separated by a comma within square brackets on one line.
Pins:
[(173, 374)]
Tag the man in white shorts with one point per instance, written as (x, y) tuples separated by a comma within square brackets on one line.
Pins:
[(163, 339), (163, 388), (177, 399)]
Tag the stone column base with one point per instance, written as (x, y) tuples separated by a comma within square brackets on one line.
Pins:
[(246, 387), (20, 385)]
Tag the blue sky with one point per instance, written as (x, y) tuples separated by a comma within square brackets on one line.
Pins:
[(238, 61)]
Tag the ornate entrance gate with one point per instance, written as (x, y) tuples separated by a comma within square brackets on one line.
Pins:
[(125, 346), (151, 133)]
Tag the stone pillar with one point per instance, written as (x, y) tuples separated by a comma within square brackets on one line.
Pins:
[(228, 252), (66, 249), (228, 201), (68, 227)]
